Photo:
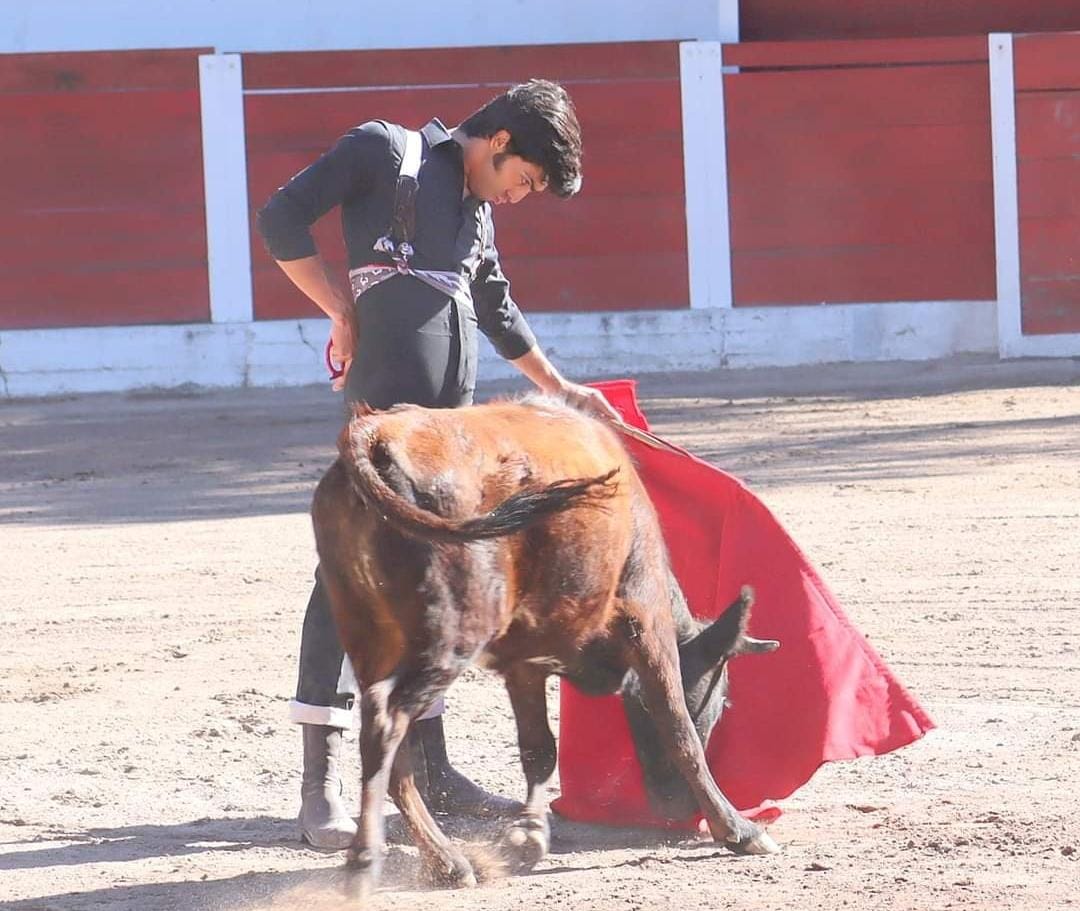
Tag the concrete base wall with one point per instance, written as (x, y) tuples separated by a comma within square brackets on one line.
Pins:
[(584, 346)]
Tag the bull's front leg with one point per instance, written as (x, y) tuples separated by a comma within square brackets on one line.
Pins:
[(525, 842), (381, 734), (653, 653)]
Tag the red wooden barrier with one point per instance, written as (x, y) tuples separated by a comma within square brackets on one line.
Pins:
[(864, 52), (102, 219), (785, 20), (851, 182), (1047, 70), (619, 245)]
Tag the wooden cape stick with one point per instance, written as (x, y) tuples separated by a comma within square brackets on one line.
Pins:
[(649, 439)]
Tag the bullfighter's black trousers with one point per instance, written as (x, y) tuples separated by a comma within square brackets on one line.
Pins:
[(326, 687)]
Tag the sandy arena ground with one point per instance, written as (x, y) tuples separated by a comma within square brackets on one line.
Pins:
[(156, 555)]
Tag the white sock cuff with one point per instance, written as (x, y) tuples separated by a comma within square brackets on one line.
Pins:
[(329, 715)]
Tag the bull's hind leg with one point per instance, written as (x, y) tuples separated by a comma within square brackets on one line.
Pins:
[(381, 733), (414, 694), (653, 653), (387, 709), (527, 839), (444, 863)]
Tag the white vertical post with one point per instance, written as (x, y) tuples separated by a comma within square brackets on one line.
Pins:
[(708, 232), (1006, 192), (221, 92), (1011, 339)]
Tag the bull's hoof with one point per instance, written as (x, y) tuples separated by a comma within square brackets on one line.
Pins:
[(759, 842), (358, 888), (449, 871), (363, 860), (362, 868), (526, 842)]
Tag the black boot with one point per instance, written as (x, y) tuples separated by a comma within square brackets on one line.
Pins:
[(324, 820), (445, 790)]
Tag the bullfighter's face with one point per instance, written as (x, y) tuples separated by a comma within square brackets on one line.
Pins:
[(498, 177)]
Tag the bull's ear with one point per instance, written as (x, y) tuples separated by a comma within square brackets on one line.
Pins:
[(721, 637), (726, 636)]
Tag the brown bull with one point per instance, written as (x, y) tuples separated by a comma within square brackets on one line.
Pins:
[(517, 536)]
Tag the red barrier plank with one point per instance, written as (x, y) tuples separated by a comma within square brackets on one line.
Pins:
[(1047, 125), (540, 284), (149, 293), (1051, 306), (310, 121), (1049, 248), (610, 282), (1049, 187), (861, 185), (83, 150), (1047, 62), (870, 53), (911, 156), (593, 225), (101, 71), (1048, 145), (783, 20), (824, 98), (103, 236), (492, 67), (867, 274), (940, 211), (105, 224)]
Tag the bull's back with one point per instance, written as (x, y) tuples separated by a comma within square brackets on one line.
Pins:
[(466, 460), (559, 441)]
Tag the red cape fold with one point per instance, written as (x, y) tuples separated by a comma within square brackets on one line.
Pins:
[(824, 695)]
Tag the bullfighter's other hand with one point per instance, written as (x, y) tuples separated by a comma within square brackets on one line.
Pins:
[(342, 344)]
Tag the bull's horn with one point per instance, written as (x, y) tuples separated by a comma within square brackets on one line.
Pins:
[(748, 645)]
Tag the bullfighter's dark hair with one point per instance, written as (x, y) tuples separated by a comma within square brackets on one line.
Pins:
[(543, 128)]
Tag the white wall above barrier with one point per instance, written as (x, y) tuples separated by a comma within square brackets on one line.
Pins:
[(313, 25)]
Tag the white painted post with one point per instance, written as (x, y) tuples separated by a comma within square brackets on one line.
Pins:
[(1006, 192), (708, 233), (1011, 339), (221, 92)]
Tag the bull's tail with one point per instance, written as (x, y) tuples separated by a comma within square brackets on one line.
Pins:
[(364, 454)]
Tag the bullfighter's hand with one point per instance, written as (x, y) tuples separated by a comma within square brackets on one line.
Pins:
[(591, 401), (343, 344)]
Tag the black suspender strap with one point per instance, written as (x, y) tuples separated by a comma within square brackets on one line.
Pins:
[(398, 239)]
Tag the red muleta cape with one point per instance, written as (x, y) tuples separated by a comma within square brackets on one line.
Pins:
[(825, 695)]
